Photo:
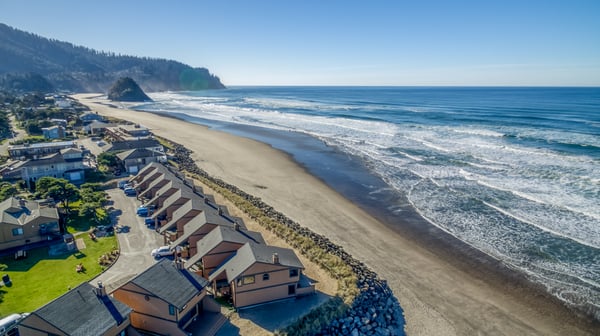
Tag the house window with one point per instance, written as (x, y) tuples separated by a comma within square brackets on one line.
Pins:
[(171, 310), (266, 277), (247, 280), (293, 273), (17, 232), (291, 289)]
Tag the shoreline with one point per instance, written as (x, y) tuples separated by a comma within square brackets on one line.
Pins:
[(440, 291)]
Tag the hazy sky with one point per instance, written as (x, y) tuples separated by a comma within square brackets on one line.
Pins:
[(304, 42)]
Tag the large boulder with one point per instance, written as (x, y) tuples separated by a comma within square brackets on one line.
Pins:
[(126, 89)]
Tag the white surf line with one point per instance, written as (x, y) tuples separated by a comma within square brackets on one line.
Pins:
[(545, 229)]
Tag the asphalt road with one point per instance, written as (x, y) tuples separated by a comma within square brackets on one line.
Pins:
[(136, 242)]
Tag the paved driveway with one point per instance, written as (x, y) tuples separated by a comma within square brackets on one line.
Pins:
[(17, 133), (136, 243)]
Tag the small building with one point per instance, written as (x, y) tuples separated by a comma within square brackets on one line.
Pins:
[(84, 310), (134, 160), (127, 132), (165, 298), (23, 222), (62, 102), (258, 274), (96, 127), (27, 151), (89, 117), (53, 132), (68, 164)]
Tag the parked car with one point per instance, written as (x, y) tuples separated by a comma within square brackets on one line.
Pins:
[(143, 211), (162, 251), (125, 184), (129, 191), (149, 221), (8, 325)]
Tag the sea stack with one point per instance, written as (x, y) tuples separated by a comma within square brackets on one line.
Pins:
[(126, 89)]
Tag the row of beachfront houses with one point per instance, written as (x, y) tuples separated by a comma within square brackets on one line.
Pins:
[(217, 246), (214, 255)]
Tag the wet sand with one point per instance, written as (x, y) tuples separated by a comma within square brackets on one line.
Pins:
[(444, 287)]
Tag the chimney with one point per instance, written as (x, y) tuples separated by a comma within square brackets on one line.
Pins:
[(179, 263), (275, 258), (101, 290), (220, 211), (236, 226), (21, 203)]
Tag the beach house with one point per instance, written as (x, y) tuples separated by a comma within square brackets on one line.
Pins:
[(53, 132), (68, 164), (26, 222), (165, 298), (83, 310), (34, 150), (134, 160), (258, 273)]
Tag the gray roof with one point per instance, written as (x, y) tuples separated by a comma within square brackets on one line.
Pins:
[(131, 144), (252, 253), (44, 144), (176, 196), (223, 234), (81, 312), (99, 124), (138, 153), (174, 286), (191, 205), (12, 212), (46, 160), (207, 216), (71, 150)]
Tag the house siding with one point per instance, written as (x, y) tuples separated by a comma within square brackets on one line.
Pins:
[(262, 291), (151, 313)]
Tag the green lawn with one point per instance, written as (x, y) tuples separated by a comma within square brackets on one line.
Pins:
[(41, 278)]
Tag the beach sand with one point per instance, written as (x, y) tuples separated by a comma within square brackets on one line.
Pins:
[(440, 293)]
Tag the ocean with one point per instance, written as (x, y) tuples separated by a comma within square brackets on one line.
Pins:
[(511, 172)]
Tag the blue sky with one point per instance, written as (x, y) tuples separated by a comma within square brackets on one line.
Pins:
[(339, 42)]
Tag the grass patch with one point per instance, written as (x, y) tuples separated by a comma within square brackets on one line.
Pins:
[(164, 142), (40, 278), (77, 223)]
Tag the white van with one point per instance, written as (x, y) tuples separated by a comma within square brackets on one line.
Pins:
[(8, 325)]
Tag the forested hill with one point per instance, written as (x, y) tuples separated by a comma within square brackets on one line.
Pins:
[(80, 69)]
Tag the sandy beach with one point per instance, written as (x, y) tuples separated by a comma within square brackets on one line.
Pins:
[(439, 294)]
